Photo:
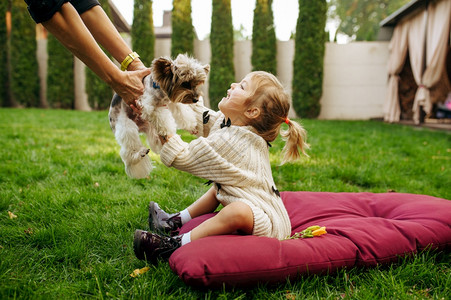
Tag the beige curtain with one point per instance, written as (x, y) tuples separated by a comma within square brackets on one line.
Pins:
[(416, 37), (438, 31), (398, 52)]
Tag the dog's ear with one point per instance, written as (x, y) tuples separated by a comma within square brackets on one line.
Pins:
[(162, 69)]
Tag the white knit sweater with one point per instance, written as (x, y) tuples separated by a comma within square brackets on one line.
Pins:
[(236, 159)]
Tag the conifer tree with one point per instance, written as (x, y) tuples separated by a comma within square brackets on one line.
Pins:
[(221, 40), (264, 38), (182, 40), (143, 36), (309, 57)]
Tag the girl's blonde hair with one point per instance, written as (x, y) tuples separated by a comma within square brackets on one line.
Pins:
[(267, 93)]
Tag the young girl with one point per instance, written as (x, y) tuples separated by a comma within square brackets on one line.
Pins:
[(231, 152)]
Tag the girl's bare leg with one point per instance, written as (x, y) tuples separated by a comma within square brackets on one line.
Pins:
[(205, 204), (233, 217)]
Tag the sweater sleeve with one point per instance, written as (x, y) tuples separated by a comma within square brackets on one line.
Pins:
[(222, 157)]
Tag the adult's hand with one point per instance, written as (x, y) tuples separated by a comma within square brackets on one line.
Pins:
[(130, 85)]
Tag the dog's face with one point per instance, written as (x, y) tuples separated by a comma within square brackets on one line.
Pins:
[(181, 78)]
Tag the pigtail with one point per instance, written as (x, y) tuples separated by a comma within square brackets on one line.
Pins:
[(295, 141), (273, 101)]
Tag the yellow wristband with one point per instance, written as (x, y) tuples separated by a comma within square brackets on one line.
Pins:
[(128, 60)]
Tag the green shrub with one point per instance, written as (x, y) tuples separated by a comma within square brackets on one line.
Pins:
[(221, 39), (264, 38), (182, 40), (3, 54), (23, 60), (308, 58), (143, 37), (60, 75), (99, 93)]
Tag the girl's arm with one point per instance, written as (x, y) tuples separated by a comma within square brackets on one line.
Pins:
[(217, 158)]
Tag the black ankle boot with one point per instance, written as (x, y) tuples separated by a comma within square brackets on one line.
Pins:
[(151, 246), (162, 222)]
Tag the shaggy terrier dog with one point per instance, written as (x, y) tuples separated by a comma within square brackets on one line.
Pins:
[(171, 86)]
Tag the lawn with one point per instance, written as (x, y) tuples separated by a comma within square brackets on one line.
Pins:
[(62, 176)]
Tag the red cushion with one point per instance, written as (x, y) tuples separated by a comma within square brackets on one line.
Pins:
[(364, 229)]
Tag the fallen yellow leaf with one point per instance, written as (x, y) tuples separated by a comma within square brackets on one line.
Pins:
[(290, 296), (11, 215), (138, 272)]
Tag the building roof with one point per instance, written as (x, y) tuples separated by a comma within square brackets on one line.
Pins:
[(403, 12), (164, 31), (122, 25)]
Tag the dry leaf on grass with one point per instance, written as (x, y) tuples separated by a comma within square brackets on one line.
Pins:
[(11, 215), (138, 272)]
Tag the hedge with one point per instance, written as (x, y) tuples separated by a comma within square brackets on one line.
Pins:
[(182, 40), (308, 59), (143, 37), (221, 40), (264, 45)]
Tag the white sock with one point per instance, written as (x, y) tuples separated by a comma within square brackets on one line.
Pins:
[(185, 216), (186, 238)]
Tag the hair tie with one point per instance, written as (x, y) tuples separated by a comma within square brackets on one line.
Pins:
[(287, 120)]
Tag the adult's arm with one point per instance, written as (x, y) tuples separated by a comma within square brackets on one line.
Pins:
[(107, 35), (67, 26)]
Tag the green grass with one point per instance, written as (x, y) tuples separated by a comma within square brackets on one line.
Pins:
[(62, 176)]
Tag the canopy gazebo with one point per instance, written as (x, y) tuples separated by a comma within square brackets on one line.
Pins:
[(419, 66)]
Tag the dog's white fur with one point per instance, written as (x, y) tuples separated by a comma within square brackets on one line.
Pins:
[(133, 152), (162, 112)]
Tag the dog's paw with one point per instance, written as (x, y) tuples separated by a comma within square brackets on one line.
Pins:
[(139, 170), (155, 144), (132, 156), (144, 152), (137, 165), (191, 127), (184, 116), (163, 122), (138, 155)]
